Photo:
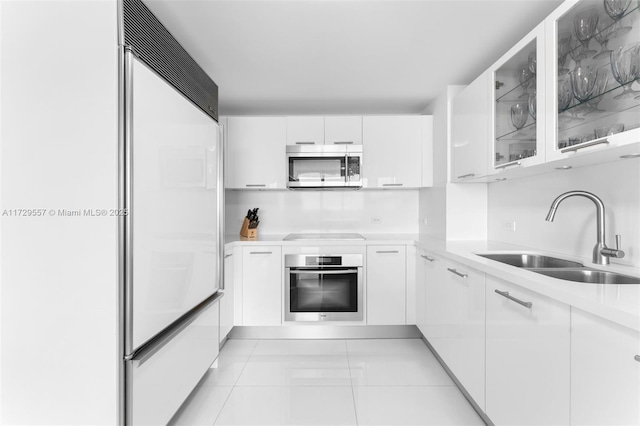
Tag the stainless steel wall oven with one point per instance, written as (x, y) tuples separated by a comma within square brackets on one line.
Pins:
[(323, 287)]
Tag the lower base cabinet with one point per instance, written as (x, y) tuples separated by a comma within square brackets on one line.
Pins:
[(227, 302), (262, 285), (386, 285), (528, 355), (605, 373), (455, 321)]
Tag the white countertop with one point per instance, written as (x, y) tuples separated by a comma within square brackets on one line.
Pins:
[(617, 303)]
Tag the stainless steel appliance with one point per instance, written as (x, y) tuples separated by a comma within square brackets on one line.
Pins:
[(324, 166), (171, 232), (323, 287)]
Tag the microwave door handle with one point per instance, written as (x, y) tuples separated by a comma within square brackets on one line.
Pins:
[(347, 178)]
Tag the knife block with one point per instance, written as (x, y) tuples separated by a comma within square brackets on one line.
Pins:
[(245, 232)]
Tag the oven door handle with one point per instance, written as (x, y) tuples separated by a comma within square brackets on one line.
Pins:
[(323, 271)]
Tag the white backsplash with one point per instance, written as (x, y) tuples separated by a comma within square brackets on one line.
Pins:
[(526, 202), (284, 212)]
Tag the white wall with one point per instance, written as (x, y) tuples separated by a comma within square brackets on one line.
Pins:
[(526, 201), (283, 212), (59, 151)]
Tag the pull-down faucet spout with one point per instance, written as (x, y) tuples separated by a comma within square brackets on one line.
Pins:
[(601, 253)]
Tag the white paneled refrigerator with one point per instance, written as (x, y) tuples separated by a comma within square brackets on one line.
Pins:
[(170, 186)]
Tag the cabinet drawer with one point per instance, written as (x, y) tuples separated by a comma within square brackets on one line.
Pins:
[(163, 379), (527, 351)]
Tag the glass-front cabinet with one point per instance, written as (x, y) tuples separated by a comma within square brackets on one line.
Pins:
[(593, 88), (518, 112)]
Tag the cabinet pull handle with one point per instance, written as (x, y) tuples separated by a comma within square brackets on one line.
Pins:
[(509, 164), (430, 259), (466, 176), (584, 145), (637, 358), (343, 143), (518, 301), (386, 251), (255, 185), (453, 271), (392, 184), (226, 256), (305, 143), (260, 252)]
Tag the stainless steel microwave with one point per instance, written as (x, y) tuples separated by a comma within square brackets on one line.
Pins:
[(324, 166)]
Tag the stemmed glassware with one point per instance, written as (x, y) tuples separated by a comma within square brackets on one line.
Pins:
[(616, 10), (625, 67), (583, 80), (598, 91), (585, 24), (519, 114), (564, 94), (604, 32), (577, 52), (532, 104), (524, 74), (533, 62), (564, 46)]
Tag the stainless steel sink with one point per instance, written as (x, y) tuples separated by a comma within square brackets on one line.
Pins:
[(561, 269), (586, 275), (522, 260)]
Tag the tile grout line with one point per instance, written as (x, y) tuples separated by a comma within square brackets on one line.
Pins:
[(353, 393), (234, 384)]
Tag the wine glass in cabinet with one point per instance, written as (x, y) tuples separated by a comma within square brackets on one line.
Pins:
[(603, 113), (518, 104)]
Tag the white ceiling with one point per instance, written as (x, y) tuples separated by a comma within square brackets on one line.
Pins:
[(355, 56)]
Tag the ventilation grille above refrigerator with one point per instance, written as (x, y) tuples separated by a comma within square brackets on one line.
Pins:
[(155, 46)]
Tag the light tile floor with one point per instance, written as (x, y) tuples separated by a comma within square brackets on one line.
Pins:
[(326, 382)]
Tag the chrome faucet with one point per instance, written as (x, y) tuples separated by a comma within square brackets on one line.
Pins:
[(601, 253)]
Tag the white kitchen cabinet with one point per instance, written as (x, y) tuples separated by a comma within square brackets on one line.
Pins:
[(527, 357), (392, 151), (571, 126), (255, 153), (424, 272), (455, 321), (518, 105), (305, 130), (470, 134), (343, 130), (227, 302), (386, 285), (605, 372), (262, 285)]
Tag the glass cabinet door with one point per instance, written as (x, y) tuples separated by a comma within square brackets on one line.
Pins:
[(596, 68), (518, 84)]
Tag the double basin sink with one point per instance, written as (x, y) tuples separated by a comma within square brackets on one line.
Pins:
[(561, 269)]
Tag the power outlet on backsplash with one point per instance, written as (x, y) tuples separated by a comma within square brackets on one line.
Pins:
[(509, 225), (376, 220)]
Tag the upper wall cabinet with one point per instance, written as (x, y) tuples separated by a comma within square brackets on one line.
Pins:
[(343, 130), (592, 51), (255, 153), (318, 130), (518, 83), (305, 130), (392, 151), (470, 131)]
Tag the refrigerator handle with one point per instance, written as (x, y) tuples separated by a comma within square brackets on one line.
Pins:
[(220, 198)]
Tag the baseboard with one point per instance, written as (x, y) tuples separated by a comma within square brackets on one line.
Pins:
[(466, 394), (326, 332)]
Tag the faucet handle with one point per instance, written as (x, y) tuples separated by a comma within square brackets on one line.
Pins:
[(616, 252)]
